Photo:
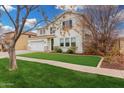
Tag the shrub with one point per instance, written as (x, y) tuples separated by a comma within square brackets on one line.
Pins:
[(114, 51), (71, 50), (113, 55), (57, 50), (91, 48)]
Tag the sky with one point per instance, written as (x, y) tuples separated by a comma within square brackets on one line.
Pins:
[(50, 10)]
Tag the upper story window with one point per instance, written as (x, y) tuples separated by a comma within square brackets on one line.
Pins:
[(42, 31), (29, 36), (67, 24), (52, 30)]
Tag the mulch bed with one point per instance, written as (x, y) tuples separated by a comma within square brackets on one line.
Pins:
[(116, 63)]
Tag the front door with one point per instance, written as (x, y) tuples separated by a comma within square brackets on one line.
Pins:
[(52, 43)]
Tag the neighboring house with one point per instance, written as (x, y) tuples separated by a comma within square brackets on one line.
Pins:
[(65, 31), (22, 42), (1, 47), (121, 45)]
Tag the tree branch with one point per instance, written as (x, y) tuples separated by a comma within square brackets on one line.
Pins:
[(9, 16), (22, 26), (17, 18)]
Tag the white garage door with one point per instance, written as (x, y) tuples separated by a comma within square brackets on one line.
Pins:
[(37, 45)]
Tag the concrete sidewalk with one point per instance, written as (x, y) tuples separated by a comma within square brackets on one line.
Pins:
[(81, 68), (5, 54)]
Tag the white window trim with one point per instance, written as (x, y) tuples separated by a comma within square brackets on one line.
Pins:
[(42, 32), (70, 41), (52, 30), (65, 41)]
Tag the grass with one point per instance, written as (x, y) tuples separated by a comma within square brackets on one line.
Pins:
[(31, 75), (74, 59)]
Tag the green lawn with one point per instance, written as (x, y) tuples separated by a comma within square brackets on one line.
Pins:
[(75, 59), (33, 75)]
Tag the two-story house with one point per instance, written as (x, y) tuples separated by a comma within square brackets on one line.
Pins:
[(64, 31)]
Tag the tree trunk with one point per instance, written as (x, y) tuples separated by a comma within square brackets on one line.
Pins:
[(12, 59)]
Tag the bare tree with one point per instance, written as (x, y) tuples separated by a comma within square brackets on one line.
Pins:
[(103, 22), (22, 14)]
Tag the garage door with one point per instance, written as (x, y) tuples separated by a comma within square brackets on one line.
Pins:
[(37, 45)]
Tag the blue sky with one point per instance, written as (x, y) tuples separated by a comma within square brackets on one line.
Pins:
[(50, 10)]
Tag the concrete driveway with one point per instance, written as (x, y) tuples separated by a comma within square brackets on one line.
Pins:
[(5, 54)]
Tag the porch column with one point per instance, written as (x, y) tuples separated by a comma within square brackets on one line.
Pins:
[(49, 44)]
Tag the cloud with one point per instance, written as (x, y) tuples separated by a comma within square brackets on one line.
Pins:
[(5, 29), (121, 33), (70, 7), (34, 31), (9, 8), (120, 15), (30, 22)]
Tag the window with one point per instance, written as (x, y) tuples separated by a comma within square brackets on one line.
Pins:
[(73, 41), (63, 24), (52, 30), (42, 31), (67, 43), (29, 36), (61, 42), (67, 24), (70, 23)]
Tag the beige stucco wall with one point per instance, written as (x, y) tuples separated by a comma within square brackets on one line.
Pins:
[(22, 43), (0, 47), (122, 45)]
